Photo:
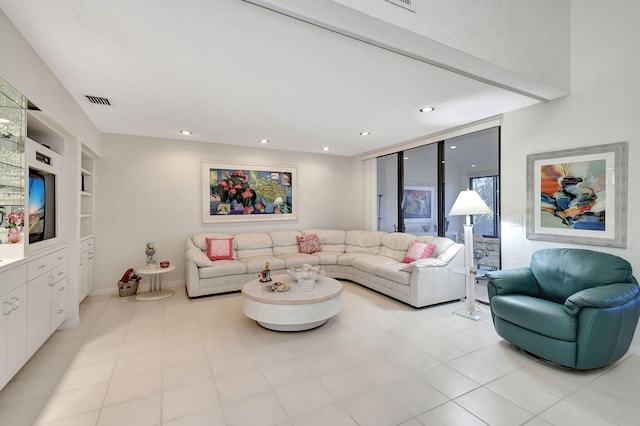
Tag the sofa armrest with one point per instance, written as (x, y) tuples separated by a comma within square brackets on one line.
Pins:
[(195, 255), (606, 296), (512, 281)]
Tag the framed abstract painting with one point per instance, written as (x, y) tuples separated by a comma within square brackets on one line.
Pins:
[(579, 195), (248, 192)]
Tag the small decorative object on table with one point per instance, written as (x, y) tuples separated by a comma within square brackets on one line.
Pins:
[(150, 251), (265, 275), (306, 276), (164, 264), (277, 286)]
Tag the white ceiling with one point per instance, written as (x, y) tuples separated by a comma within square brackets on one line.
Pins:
[(234, 72)]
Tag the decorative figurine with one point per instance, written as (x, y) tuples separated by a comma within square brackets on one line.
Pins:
[(265, 275), (150, 251)]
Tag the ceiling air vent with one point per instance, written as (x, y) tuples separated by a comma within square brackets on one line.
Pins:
[(97, 100), (407, 4)]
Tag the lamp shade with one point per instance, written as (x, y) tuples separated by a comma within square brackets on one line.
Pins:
[(469, 203)]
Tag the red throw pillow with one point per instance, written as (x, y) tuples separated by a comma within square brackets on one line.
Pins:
[(417, 251), (220, 248), (309, 244)]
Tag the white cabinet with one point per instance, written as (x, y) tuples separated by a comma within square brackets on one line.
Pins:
[(46, 287), (86, 267), (13, 322)]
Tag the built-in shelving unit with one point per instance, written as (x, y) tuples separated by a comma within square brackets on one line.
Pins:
[(12, 167), (86, 195)]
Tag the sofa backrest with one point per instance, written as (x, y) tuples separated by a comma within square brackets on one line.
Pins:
[(285, 242), (253, 244), (561, 272), (395, 245), (442, 246), (330, 239), (359, 241), (200, 241)]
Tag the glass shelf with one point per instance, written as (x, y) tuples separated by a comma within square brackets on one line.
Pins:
[(13, 116)]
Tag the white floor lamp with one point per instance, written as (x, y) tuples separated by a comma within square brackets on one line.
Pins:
[(469, 203)]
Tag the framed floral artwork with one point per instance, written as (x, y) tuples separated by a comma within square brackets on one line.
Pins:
[(243, 192), (579, 195)]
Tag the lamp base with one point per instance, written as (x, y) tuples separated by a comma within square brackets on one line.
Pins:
[(476, 313)]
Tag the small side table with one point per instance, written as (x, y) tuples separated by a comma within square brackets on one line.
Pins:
[(155, 283)]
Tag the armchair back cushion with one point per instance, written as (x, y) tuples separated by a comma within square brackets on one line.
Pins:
[(563, 272)]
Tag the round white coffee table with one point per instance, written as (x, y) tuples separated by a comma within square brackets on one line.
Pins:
[(292, 310), (155, 283)]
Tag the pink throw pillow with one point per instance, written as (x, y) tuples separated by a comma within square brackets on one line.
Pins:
[(220, 248), (417, 251), (309, 244)]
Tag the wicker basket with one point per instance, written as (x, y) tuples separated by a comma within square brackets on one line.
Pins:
[(127, 289)]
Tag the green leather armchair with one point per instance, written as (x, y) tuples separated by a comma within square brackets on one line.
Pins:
[(577, 308)]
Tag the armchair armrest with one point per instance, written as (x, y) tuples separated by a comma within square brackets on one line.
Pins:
[(605, 296), (514, 281)]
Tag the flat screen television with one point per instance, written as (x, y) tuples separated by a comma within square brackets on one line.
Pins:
[(42, 206)]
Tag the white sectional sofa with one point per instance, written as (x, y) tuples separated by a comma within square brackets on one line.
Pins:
[(370, 258)]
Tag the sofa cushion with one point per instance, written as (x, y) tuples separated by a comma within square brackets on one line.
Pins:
[(256, 264), (330, 239), (222, 268), (254, 244), (347, 259), (393, 272), (309, 244), (369, 262), (284, 242), (537, 315), (418, 250), (395, 245), (296, 260), (220, 248), (359, 241), (327, 257)]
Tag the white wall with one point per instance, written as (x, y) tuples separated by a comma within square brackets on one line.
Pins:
[(149, 189), (601, 109)]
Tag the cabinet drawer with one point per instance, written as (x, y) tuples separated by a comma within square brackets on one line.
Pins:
[(58, 293), (58, 258), (37, 267), (12, 278), (58, 273)]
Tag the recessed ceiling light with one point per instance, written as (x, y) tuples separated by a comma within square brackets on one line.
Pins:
[(364, 133), (427, 109), (264, 141), (406, 158), (452, 147), (185, 132), (473, 165), (326, 148)]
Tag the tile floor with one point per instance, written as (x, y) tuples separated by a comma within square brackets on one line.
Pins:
[(378, 362)]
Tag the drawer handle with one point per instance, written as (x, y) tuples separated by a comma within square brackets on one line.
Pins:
[(7, 305), (60, 311), (42, 266), (60, 258), (62, 288), (17, 303), (60, 273)]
